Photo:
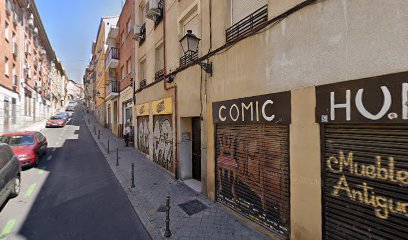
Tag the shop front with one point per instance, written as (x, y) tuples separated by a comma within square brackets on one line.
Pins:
[(143, 132), (252, 158), (364, 157)]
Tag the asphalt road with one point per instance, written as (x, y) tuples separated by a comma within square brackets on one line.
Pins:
[(72, 194)]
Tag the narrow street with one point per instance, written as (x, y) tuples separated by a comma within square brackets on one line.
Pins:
[(72, 194)]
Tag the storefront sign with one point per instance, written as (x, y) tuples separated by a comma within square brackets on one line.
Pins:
[(163, 106), (270, 108), (142, 109), (382, 99)]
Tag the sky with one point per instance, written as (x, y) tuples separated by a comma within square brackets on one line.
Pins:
[(71, 26)]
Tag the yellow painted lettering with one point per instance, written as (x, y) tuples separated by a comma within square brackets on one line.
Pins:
[(381, 210), (335, 162), (391, 169), (402, 176), (362, 172), (369, 200), (342, 185), (382, 173), (347, 162), (370, 171), (357, 194)]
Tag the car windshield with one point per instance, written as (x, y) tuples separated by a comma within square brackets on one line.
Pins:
[(56, 118), (17, 140)]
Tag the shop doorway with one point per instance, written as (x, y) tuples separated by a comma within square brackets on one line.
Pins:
[(196, 148)]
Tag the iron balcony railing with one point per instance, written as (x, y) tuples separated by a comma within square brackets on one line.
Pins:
[(142, 83), (158, 18), (247, 24), (113, 87), (142, 37), (159, 75), (188, 58), (113, 54)]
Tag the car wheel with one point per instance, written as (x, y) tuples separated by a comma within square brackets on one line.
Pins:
[(37, 160), (16, 187)]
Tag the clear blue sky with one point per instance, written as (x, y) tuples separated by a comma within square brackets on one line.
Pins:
[(71, 26)]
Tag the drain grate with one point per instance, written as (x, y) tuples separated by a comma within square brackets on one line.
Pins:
[(193, 207)]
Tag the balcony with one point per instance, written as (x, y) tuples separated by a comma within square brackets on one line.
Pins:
[(246, 25), (112, 60), (15, 50), (113, 32), (112, 90), (159, 75), (188, 59)]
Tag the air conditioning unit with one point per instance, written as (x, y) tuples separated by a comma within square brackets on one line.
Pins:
[(137, 32), (153, 9), (15, 49), (27, 48), (15, 17), (43, 52), (36, 31), (31, 21), (8, 7)]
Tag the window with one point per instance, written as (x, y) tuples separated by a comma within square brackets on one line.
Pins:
[(14, 76), (129, 26), (242, 8), (123, 71), (14, 37), (7, 32), (6, 67), (191, 23), (129, 65), (143, 14), (159, 58), (142, 70)]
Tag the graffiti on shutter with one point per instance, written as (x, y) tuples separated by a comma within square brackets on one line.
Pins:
[(365, 182), (252, 172), (163, 141), (143, 134)]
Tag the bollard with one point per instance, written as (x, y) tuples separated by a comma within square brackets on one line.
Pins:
[(133, 176), (167, 232), (117, 156), (99, 134), (108, 145)]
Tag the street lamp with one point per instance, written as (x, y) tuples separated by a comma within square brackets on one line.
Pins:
[(189, 44)]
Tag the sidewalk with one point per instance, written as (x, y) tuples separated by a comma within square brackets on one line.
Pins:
[(34, 126), (153, 184)]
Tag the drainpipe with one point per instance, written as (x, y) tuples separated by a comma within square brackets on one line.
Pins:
[(171, 87)]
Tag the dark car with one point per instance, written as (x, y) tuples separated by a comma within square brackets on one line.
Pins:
[(28, 147), (10, 172), (56, 121), (64, 114), (70, 109)]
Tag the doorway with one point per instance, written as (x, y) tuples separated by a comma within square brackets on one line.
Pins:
[(196, 147)]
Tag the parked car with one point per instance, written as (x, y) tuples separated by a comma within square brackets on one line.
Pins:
[(69, 108), (28, 147), (10, 174), (64, 115), (56, 121)]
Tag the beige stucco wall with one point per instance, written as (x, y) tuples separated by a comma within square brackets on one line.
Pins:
[(305, 196), (326, 42)]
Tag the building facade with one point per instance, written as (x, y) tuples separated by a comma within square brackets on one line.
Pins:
[(101, 51), (28, 67), (291, 114)]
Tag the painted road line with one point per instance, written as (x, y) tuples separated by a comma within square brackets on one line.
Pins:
[(7, 229), (30, 190), (49, 158), (41, 171)]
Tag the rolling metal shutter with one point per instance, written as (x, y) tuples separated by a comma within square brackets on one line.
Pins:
[(367, 200), (143, 134), (252, 173), (243, 8), (163, 141)]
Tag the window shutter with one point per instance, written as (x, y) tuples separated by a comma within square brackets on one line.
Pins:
[(243, 8)]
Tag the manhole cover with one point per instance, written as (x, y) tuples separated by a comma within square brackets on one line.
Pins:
[(193, 207)]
